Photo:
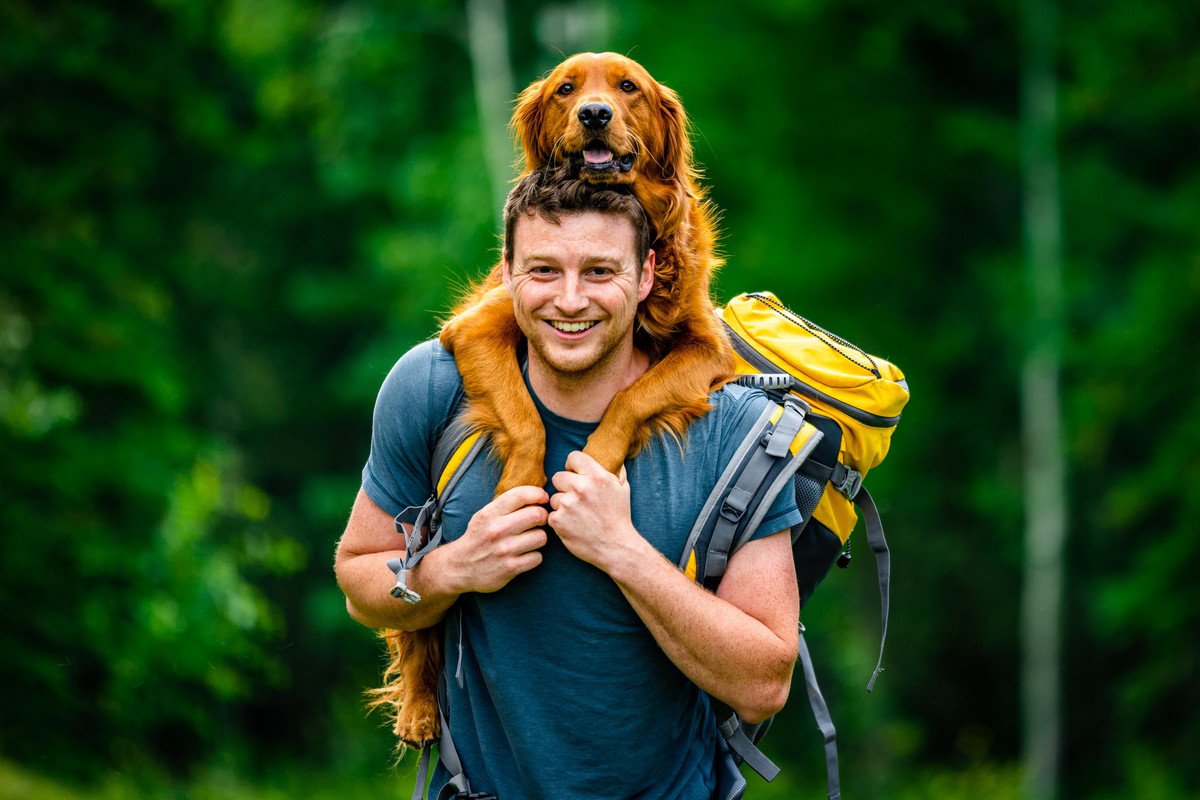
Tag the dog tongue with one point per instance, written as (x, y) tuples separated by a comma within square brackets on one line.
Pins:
[(597, 156)]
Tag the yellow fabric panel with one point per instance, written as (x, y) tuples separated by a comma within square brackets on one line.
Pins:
[(807, 357), (690, 571), (455, 460), (805, 433), (837, 513)]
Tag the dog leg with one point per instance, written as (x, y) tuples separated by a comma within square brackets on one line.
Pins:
[(417, 713), (674, 391), (484, 340)]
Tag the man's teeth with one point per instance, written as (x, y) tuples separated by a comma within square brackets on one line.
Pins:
[(572, 327)]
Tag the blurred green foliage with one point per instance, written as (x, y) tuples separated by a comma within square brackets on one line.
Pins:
[(223, 221)]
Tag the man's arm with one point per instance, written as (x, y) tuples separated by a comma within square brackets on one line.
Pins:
[(501, 541), (739, 644)]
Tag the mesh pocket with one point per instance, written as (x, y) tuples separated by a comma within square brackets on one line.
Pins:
[(808, 493)]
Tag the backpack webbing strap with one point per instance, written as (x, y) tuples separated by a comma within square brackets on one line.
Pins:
[(449, 758), (883, 565), (824, 722), (728, 475), (422, 773), (447, 754), (771, 447), (746, 750), (850, 483), (453, 453)]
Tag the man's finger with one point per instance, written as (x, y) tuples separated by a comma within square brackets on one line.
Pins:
[(564, 481), (623, 477), (580, 462), (524, 518), (528, 541), (518, 497)]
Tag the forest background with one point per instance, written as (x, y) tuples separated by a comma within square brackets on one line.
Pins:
[(222, 222)]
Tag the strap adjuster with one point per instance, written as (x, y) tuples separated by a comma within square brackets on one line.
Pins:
[(846, 480), (406, 594), (735, 504)]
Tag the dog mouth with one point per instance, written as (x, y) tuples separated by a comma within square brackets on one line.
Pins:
[(596, 156)]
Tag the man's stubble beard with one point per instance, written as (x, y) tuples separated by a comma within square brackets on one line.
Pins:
[(567, 375)]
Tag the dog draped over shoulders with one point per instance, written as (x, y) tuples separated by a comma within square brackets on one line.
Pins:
[(601, 117)]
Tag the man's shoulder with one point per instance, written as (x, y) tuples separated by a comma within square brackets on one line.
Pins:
[(428, 356), (733, 402), (426, 370)]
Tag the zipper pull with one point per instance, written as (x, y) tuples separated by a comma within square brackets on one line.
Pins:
[(843, 559)]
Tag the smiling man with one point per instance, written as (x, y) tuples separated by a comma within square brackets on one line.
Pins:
[(580, 662)]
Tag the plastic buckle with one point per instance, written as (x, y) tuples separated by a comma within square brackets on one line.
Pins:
[(401, 591), (731, 513), (799, 402), (734, 506), (406, 594), (850, 484)]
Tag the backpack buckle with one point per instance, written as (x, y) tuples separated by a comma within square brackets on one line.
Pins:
[(847, 481)]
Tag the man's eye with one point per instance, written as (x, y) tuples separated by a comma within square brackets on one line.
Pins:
[(566, 88), (600, 272), (628, 86)]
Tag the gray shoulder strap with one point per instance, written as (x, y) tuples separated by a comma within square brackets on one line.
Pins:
[(744, 495), (824, 722)]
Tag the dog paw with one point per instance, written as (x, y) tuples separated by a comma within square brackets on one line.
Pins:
[(608, 452), (417, 722)]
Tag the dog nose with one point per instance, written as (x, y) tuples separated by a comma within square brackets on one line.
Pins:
[(595, 116)]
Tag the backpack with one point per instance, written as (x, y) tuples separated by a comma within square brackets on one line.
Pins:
[(854, 401), (834, 411)]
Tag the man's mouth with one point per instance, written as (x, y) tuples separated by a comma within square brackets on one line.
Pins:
[(596, 156), (572, 327)]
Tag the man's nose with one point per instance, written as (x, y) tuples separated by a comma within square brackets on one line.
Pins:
[(571, 298)]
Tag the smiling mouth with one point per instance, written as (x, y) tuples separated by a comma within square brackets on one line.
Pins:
[(597, 157), (572, 327)]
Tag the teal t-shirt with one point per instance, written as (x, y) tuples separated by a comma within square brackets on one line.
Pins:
[(564, 691)]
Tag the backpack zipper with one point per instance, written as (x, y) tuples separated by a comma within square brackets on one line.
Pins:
[(816, 330), (760, 363)]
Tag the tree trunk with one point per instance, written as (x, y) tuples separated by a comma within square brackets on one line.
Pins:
[(487, 41), (1044, 470)]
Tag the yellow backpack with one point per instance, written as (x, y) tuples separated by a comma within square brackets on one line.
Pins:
[(854, 400)]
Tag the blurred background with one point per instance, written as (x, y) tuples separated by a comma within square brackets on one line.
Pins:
[(222, 222)]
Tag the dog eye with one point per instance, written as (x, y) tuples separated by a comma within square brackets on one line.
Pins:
[(566, 88), (628, 86)]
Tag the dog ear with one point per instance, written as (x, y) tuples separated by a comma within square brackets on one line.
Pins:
[(528, 119), (677, 147)]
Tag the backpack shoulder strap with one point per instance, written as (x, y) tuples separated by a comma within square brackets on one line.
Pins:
[(455, 447), (769, 455)]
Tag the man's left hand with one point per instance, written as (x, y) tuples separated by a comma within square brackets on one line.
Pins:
[(591, 512)]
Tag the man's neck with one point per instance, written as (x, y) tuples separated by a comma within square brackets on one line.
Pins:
[(585, 396)]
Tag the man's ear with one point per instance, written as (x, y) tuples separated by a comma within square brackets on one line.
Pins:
[(646, 281)]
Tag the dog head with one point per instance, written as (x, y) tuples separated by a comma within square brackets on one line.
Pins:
[(603, 113)]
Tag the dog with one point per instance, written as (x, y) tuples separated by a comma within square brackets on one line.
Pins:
[(602, 117)]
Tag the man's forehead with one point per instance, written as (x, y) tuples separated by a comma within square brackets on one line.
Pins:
[(599, 230)]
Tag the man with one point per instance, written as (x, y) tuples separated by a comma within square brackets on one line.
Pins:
[(586, 657)]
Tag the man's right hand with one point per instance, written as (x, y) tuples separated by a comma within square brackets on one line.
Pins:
[(501, 541)]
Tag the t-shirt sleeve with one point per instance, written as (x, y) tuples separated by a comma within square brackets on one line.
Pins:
[(412, 407), (783, 512)]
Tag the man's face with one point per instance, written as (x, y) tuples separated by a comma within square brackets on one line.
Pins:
[(576, 287)]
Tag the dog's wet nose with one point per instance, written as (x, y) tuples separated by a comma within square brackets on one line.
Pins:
[(595, 116)]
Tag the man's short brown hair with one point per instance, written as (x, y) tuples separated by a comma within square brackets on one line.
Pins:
[(551, 192)]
